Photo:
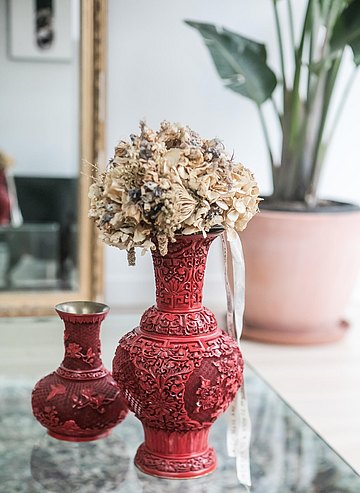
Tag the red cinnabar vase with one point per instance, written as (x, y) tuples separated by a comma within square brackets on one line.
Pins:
[(80, 401), (178, 371)]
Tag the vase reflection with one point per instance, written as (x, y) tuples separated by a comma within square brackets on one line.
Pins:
[(66, 467)]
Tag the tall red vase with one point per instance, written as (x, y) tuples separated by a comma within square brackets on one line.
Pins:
[(178, 371), (80, 401)]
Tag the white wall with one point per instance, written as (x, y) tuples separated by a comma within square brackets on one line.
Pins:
[(160, 69), (39, 109)]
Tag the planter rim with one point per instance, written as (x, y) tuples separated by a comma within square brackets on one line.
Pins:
[(307, 216), (333, 207)]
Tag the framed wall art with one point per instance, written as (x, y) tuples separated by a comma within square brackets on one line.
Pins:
[(40, 30)]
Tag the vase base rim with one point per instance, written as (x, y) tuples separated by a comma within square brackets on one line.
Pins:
[(296, 337), (175, 467), (69, 438)]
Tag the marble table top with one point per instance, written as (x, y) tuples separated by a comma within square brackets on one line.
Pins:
[(287, 456)]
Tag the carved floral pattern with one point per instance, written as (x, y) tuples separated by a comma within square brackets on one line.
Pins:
[(172, 466), (89, 397), (208, 394), (81, 374), (179, 276), (74, 350), (58, 389), (178, 324), (48, 416), (156, 390)]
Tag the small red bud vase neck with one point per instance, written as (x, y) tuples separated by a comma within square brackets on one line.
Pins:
[(80, 401), (178, 371)]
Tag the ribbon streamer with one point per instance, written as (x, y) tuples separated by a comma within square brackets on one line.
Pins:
[(239, 426)]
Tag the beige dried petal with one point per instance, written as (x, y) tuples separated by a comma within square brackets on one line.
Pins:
[(116, 237), (184, 204), (139, 236), (118, 220), (222, 205), (239, 206), (189, 230), (132, 210), (232, 215), (114, 191), (212, 196), (173, 156), (182, 172), (94, 191), (128, 230), (164, 183), (202, 211)]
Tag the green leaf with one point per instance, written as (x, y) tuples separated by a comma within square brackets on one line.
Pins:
[(347, 30), (355, 45), (240, 62)]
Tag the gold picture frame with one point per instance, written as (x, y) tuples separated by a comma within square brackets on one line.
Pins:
[(93, 46)]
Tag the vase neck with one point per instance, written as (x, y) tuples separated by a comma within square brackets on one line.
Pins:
[(82, 343), (179, 275)]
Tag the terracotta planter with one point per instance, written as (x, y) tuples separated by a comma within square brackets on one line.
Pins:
[(79, 401), (300, 271), (178, 371)]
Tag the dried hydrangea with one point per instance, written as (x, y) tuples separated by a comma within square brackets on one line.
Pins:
[(159, 184)]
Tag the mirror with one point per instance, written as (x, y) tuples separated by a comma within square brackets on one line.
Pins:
[(52, 55)]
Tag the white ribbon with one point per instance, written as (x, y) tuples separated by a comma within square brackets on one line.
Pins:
[(239, 426)]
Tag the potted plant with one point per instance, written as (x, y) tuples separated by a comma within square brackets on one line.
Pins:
[(300, 275)]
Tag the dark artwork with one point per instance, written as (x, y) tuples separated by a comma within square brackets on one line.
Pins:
[(49, 232), (44, 28)]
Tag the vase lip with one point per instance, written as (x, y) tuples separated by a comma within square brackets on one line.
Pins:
[(81, 308), (212, 232)]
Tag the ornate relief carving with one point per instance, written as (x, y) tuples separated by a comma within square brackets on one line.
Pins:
[(179, 276), (178, 324), (80, 374), (161, 371), (96, 400), (171, 466)]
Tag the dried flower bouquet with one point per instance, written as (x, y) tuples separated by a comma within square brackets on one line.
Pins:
[(169, 182)]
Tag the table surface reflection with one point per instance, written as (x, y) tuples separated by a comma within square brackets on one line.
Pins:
[(287, 456)]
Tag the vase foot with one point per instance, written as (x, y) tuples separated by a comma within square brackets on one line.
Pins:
[(68, 438), (296, 336), (175, 466)]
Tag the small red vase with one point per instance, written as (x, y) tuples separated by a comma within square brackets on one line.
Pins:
[(79, 401), (178, 371)]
